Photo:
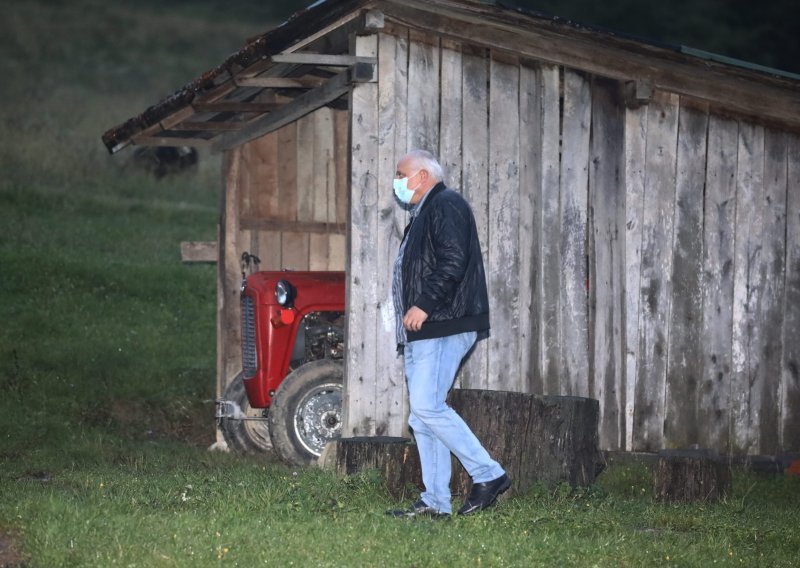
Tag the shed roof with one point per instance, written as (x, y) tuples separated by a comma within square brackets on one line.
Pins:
[(304, 63)]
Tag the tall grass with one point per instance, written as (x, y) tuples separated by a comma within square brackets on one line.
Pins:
[(107, 355)]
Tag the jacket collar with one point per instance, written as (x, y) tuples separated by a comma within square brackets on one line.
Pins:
[(432, 192)]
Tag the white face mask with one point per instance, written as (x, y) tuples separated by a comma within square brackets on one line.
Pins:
[(401, 190)]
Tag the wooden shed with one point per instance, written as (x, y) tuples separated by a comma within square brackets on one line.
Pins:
[(638, 203)]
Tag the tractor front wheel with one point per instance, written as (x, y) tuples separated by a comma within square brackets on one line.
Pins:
[(306, 412), (244, 436)]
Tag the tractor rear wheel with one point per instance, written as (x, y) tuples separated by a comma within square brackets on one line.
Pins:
[(244, 436), (306, 412)]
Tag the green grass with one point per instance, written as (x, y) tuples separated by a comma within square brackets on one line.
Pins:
[(107, 356)]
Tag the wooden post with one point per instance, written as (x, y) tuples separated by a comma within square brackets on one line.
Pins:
[(690, 478), (396, 458)]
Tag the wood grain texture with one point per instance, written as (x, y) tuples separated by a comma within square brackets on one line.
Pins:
[(424, 92), (390, 395), (684, 354), (607, 260), (718, 245), (655, 287), (747, 288), (502, 268), (573, 218), (361, 302), (530, 226), (451, 114), (551, 280), (475, 183), (635, 170), (790, 374)]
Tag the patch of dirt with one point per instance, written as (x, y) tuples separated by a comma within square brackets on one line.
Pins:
[(10, 554), (191, 422)]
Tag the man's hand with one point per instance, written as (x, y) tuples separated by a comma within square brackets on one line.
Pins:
[(414, 319)]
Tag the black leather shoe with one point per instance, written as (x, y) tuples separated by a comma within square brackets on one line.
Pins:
[(484, 495), (418, 509)]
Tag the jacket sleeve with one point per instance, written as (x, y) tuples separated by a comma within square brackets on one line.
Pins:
[(449, 238)]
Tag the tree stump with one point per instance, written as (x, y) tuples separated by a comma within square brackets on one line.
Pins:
[(691, 478), (537, 439), (396, 459)]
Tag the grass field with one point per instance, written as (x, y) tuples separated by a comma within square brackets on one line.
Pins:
[(107, 356)]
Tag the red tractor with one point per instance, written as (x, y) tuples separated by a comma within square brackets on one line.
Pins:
[(288, 396)]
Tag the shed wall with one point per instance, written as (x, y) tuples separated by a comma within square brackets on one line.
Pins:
[(286, 201), (642, 256)]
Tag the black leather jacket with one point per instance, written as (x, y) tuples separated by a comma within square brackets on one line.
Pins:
[(442, 270)]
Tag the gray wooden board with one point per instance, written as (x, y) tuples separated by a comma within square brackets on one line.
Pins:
[(502, 267), (305, 168), (747, 287), (530, 225), (573, 298), (475, 155), (390, 395), (424, 91), (656, 263), (790, 375), (550, 284), (361, 299), (771, 311), (682, 420), (718, 244), (607, 260), (635, 154), (451, 115)]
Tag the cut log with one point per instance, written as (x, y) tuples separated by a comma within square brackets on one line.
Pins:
[(396, 459), (688, 479), (537, 439)]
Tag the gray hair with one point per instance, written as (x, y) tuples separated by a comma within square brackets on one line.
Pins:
[(424, 160)]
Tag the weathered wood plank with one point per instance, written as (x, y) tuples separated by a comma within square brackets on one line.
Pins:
[(341, 120), (199, 251), (295, 250), (305, 168), (286, 208), (771, 310), (450, 127), (361, 301), (635, 162), (268, 249), (338, 252), (390, 393), (229, 353), (655, 288), (684, 356), (324, 184), (550, 284), (475, 183), (747, 288), (423, 98), (530, 226), (718, 244), (607, 260), (318, 251), (502, 264), (573, 218), (790, 375)]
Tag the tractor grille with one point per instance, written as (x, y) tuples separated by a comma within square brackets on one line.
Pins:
[(249, 358)]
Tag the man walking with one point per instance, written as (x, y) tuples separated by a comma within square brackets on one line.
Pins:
[(441, 302)]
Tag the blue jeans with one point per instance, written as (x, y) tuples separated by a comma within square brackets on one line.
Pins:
[(431, 366)]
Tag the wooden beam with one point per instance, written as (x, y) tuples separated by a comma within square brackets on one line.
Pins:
[(255, 224), (236, 106), (199, 251), (321, 59), (210, 126), (301, 106), (281, 82), (170, 141)]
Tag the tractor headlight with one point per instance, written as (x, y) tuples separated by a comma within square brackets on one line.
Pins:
[(285, 293)]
